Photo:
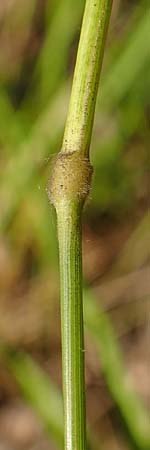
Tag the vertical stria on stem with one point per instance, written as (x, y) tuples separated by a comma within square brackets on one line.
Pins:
[(69, 236)]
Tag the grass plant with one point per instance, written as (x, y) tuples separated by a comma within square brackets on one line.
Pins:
[(30, 133), (69, 188)]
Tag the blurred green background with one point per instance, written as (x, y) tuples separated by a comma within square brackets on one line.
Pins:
[(38, 45)]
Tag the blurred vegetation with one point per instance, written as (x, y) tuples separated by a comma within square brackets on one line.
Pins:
[(38, 44)]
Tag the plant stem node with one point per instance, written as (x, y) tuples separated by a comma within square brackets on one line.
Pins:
[(70, 179)]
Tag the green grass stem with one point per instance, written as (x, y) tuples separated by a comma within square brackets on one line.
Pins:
[(70, 184)]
